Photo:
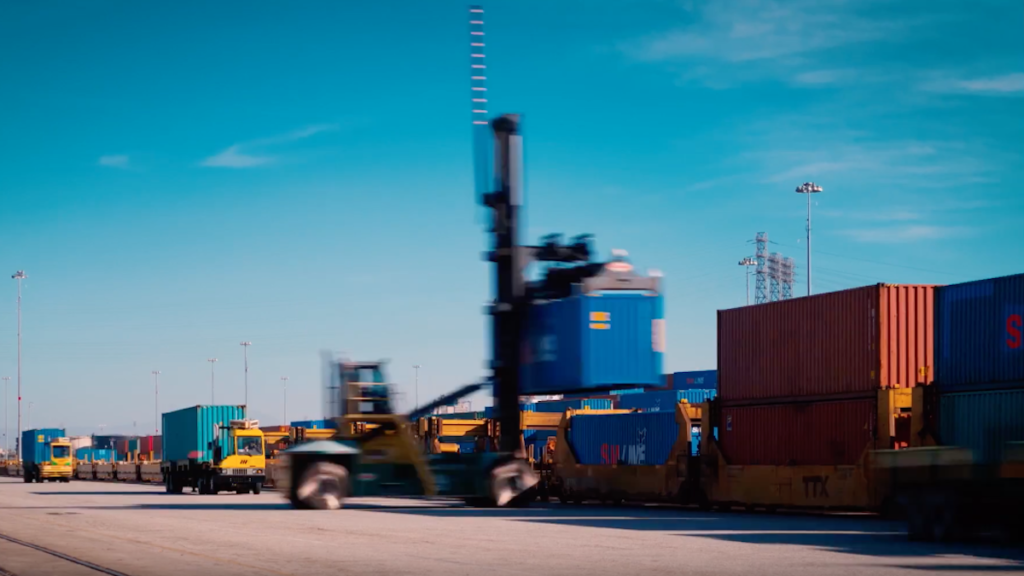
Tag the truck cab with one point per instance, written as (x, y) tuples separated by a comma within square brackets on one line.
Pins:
[(211, 449), (243, 468)]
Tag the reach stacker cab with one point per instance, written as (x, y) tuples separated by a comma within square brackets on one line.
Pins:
[(213, 449), (374, 452)]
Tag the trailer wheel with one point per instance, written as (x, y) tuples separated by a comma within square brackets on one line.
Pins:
[(323, 486)]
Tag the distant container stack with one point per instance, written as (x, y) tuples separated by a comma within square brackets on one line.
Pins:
[(799, 380), (574, 404), (979, 370), (663, 400), (322, 424)]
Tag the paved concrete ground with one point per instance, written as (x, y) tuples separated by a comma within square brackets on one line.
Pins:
[(141, 531)]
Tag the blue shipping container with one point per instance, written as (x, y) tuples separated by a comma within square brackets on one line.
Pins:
[(628, 391), (95, 455), (979, 334), (595, 342), (35, 444), (536, 440), (315, 424), (982, 421), (695, 380), (563, 405), (188, 433), (637, 438), (107, 442), (664, 399)]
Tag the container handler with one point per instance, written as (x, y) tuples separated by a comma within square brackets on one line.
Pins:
[(374, 453), (46, 456), (213, 449)]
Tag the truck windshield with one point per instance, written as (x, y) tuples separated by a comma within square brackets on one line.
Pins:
[(61, 451), (250, 446)]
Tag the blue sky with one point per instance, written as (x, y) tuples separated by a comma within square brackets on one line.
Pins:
[(180, 178)]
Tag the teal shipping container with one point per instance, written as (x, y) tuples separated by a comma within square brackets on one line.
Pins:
[(549, 406), (190, 433), (982, 421), (322, 424), (35, 444)]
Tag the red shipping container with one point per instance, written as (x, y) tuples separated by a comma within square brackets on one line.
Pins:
[(848, 343), (158, 445), (817, 433)]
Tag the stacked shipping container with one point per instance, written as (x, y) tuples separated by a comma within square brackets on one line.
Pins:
[(799, 379), (979, 371)]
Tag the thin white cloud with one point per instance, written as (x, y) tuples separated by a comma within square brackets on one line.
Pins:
[(1004, 85), (114, 161), (902, 234), (246, 154), (232, 158)]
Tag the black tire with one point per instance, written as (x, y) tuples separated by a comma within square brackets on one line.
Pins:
[(917, 520), (509, 482), (241, 491), (27, 477), (257, 489), (321, 486)]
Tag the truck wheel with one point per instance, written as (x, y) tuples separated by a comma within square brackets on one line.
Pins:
[(323, 486), (257, 489), (509, 481)]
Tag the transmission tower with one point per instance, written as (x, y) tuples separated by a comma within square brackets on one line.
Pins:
[(787, 273), (774, 276), (761, 273)]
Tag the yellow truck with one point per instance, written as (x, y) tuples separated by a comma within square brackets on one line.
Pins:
[(46, 455), (213, 449)]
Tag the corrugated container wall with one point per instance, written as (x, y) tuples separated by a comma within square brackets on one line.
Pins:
[(563, 405), (695, 380), (816, 433), (637, 438), (663, 399), (35, 444), (81, 442), (851, 343), (982, 421), (190, 431), (980, 334), (595, 342)]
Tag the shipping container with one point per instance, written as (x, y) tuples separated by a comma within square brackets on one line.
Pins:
[(636, 439), (628, 391), (158, 446), (106, 442), (808, 433), (695, 380), (663, 399), (81, 442), (322, 424), (35, 444), (95, 455), (536, 441), (982, 421), (597, 341), (191, 431), (848, 343), (133, 446), (980, 334), (582, 404)]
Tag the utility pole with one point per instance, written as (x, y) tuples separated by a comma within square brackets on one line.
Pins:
[(245, 353), (156, 405), (808, 188), (28, 424), (19, 276), (285, 380), (7, 446), (416, 380), (747, 263), (211, 361), (761, 275)]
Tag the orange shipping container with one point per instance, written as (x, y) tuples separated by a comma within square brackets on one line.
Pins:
[(848, 343)]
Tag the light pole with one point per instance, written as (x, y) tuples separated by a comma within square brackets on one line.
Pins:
[(19, 276), (747, 263), (156, 405), (7, 446), (285, 380), (245, 354), (211, 361), (416, 367), (28, 423), (808, 188)]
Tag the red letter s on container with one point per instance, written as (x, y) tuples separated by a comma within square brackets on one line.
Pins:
[(1013, 327)]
